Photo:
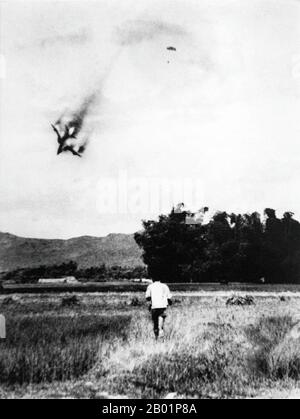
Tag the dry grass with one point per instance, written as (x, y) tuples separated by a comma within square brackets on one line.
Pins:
[(209, 350), (45, 349)]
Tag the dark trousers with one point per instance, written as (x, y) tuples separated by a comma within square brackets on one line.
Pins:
[(156, 313)]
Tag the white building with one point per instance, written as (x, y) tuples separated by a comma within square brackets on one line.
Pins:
[(66, 280)]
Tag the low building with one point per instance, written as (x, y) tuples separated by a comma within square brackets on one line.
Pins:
[(146, 281), (66, 280), (143, 280)]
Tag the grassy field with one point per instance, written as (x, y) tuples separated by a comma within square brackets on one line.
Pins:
[(96, 345)]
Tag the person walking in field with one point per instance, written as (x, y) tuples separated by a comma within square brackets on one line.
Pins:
[(160, 297)]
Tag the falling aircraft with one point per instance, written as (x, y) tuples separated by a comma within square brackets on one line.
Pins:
[(68, 141)]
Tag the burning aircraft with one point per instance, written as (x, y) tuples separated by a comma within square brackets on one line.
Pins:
[(70, 131), (68, 141)]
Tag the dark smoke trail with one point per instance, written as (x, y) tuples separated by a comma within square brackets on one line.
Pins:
[(76, 119), (71, 123)]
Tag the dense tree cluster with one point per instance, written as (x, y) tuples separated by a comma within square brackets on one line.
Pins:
[(230, 248)]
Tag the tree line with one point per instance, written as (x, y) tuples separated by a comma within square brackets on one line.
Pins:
[(100, 273), (230, 248)]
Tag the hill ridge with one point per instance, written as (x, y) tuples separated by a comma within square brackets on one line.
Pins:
[(113, 249)]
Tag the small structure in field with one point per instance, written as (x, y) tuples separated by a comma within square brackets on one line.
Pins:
[(66, 280)]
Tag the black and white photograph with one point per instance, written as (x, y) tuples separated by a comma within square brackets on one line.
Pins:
[(149, 202)]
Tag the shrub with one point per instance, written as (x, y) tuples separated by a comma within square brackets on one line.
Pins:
[(70, 301), (240, 301), (136, 302)]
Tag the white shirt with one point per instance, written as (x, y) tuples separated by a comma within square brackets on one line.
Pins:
[(159, 294)]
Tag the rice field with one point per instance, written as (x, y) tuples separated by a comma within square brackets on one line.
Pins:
[(95, 345)]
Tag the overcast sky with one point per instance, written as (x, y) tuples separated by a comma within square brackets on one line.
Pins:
[(222, 111)]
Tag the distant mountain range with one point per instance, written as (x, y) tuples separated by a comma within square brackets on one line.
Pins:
[(114, 249)]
